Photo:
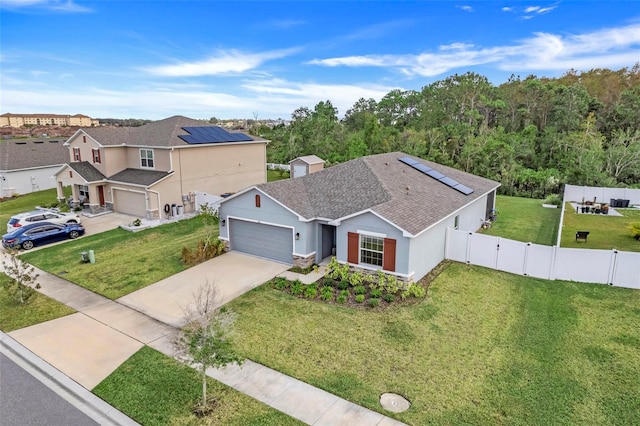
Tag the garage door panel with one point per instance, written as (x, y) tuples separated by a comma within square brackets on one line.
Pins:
[(270, 242), (129, 202)]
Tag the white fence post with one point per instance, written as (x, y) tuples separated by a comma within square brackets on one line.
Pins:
[(612, 266), (468, 256), (525, 260)]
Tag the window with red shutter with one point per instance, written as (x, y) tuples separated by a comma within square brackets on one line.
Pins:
[(389, 257), (258, 200), (353, 247)]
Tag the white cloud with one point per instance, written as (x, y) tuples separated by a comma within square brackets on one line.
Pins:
[(507, 9), (224, 62), (531, 9), (543, 51), (466, 8), (63, 6)]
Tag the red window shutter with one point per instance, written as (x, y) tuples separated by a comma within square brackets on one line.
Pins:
[(257, 200), (353, 247), (389, 256)]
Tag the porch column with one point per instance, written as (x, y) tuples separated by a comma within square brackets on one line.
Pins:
[(60, 191)]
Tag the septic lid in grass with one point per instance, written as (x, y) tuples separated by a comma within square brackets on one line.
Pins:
[(394, 402)]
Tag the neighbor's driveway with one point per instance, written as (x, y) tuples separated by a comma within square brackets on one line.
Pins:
[(105, 222), (233, 274)]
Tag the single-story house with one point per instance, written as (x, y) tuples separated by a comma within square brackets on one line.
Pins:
[(156, 169), (29, 165), (387, 211)]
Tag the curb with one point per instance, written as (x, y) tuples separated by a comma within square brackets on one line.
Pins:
[(71, 391)]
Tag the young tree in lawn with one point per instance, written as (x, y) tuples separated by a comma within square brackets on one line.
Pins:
[(205, 338), (22, 277)]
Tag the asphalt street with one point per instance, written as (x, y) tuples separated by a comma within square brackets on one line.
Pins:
[(24, 400)]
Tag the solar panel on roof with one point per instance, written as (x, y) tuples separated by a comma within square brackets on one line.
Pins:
[(449, 182), (408, 160), (452, 183), (435, 174), (422, 168), (464, 189), (211, 134)]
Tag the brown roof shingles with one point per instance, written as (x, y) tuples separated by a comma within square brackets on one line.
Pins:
[(29, 154), (378, 182)]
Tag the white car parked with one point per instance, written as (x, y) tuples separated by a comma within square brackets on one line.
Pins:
[(39, 215)]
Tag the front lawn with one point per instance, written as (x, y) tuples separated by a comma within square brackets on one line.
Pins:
[(39, 308), (524, 219), (125, 261), (154, 389), (485, 347), (605, 231)]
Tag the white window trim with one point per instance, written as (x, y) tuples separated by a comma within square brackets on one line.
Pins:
[(361, 249), (153, 158), (371, 234)]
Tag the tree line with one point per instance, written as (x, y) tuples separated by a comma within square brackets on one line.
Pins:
[(533, 135)]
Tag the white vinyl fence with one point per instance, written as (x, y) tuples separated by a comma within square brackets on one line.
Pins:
[(613, 267), (602, 195), (212, 200)]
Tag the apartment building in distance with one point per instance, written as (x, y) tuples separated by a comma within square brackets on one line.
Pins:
[(21, 120)]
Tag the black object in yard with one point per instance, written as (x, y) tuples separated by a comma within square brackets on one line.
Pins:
[(582, 235)]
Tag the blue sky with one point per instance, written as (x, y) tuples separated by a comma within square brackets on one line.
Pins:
[(155, 59)]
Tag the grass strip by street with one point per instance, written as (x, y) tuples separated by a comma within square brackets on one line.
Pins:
[(606, 232), (154, 389), (524, 219), (125, 261), (39, 308), (485, 347)]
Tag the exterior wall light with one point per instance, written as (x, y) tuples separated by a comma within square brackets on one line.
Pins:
[(297, 235), (223, 222)]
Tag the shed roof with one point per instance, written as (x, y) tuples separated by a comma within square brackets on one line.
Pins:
[(309, 159), (381, 183)]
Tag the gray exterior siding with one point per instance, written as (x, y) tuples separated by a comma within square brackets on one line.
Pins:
[(371, 223), (428, 248), (244, 207)]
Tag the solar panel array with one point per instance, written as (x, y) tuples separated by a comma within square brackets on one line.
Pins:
[(211, 134), (436, 175)]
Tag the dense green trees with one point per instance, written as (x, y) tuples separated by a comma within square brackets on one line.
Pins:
[(530, 134)]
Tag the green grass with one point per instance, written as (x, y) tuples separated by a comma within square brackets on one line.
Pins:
[(125, 261), (605, 231), (154, 389), (524, 219), (39, 308), (24, 203), (273, 175), (485, 347)]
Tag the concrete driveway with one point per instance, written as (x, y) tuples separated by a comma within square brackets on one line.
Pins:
[(105, 222), (233, 274)]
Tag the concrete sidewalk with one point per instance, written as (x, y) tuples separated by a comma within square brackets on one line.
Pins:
[(91, 344)]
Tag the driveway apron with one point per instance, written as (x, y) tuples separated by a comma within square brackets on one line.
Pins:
[(233, 274)]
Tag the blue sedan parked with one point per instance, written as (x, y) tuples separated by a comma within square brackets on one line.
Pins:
[(40, 233)]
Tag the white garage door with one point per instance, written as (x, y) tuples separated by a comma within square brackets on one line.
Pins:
[(270, 242), (129, 202)]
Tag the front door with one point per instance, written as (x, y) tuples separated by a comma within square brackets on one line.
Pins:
[(328, 241), (101, 195)]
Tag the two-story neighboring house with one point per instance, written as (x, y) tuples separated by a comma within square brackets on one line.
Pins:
[(143, 171)]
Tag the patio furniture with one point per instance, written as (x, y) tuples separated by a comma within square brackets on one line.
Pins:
[(582, 235)]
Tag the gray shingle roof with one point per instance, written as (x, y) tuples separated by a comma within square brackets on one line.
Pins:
[(138, 177), (87, 171), (378, 182), (28, 154), (159, 133)]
